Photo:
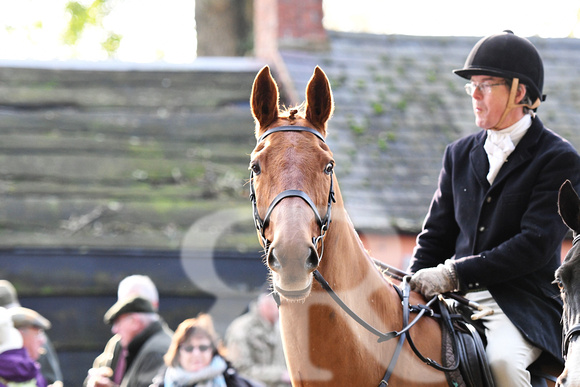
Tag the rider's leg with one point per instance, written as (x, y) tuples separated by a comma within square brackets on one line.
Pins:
[(508, 351)]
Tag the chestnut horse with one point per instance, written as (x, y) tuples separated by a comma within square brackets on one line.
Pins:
[(306, 232), (568, 279)]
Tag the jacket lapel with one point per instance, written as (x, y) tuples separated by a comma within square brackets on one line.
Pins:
[(479, 161), (522, 153)]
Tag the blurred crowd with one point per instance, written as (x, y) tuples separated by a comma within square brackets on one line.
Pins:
[(143, 350)]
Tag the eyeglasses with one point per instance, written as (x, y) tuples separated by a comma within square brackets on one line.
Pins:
[(484, 87), (200, 348)]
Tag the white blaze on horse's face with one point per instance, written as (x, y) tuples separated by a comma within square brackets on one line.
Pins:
[(297, 162), (571, 375)]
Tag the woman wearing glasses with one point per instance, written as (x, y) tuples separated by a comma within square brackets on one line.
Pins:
[(193, 359), (493, 229)]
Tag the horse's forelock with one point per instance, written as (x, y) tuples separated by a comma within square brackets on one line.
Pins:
[(293, 112)]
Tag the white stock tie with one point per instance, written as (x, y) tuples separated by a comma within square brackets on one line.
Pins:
[(498, 147)]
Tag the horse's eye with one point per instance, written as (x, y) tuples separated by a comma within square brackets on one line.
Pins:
[(255, 167), (329, 168), (558, 282)]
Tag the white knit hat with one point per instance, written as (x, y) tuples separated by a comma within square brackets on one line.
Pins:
[(10, 338)]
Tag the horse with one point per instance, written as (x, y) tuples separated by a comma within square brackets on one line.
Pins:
[(316, 259), (568, 279)]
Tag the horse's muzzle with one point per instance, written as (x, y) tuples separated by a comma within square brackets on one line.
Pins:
[(292, 275)]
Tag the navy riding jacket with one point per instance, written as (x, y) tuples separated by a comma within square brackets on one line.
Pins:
[(505, 237)]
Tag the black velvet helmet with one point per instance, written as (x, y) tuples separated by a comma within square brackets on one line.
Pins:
[(509, 56)]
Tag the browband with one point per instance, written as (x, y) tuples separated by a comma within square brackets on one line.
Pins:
[(289, 128)]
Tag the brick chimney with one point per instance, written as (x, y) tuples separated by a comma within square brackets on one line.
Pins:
[(280, 24)]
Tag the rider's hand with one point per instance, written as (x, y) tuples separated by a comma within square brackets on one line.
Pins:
[(435, 280)]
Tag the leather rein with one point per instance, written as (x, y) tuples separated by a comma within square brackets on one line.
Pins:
[(574, 330), (324, 223)]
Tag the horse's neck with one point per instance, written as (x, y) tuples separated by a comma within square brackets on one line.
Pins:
[(344, 252), (319, 327), (349, 269)]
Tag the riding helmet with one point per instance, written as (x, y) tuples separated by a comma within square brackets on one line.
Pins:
[(509, 56)]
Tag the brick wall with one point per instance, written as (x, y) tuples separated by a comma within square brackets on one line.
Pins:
[(282, 23), (301, 23)]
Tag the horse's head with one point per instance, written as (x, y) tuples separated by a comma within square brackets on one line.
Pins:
[(568, 279), (291, 181)]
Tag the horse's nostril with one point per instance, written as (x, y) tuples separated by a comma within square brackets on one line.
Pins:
[(312, 260), (273, 261)]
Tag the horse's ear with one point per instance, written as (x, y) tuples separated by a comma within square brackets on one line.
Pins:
[(264, 99), (319, 102), (569, 206)]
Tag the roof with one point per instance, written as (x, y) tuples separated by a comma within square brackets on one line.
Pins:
[(114, 155), (398, 105), (155, 157)]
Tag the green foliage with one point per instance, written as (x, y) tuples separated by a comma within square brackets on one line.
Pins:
[(361, 85), (338, 81), (378, 108), (431, 76), (357, 128), (112, 43), (402, 104), (82, 16)]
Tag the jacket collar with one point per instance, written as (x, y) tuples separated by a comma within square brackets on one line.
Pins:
[(139, 340), (521, 154)]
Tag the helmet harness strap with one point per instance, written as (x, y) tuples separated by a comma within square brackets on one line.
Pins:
[(511, 104)]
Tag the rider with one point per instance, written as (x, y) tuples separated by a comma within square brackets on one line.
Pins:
[(493, 229)]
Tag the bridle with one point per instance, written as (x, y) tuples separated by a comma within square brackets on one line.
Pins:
[(574, 329), (323, 223)]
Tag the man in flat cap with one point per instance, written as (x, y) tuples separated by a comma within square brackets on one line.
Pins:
[(48, 360), (144, 340), (130, 286), (31, 326)]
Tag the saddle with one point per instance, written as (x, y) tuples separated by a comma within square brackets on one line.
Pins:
[(463, 342), (469, 350)]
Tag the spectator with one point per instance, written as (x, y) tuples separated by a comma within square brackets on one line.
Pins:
[(48, 360), (143, 339), (8, 296), (32, 327), (15, 364), (138, 285), (132, 286), (254, 344), (194, 359)]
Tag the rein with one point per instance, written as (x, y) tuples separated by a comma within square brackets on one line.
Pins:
[(421, 309), (381, 336), (402, 334)]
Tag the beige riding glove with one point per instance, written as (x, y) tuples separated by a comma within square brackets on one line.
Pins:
[(435, 280)]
